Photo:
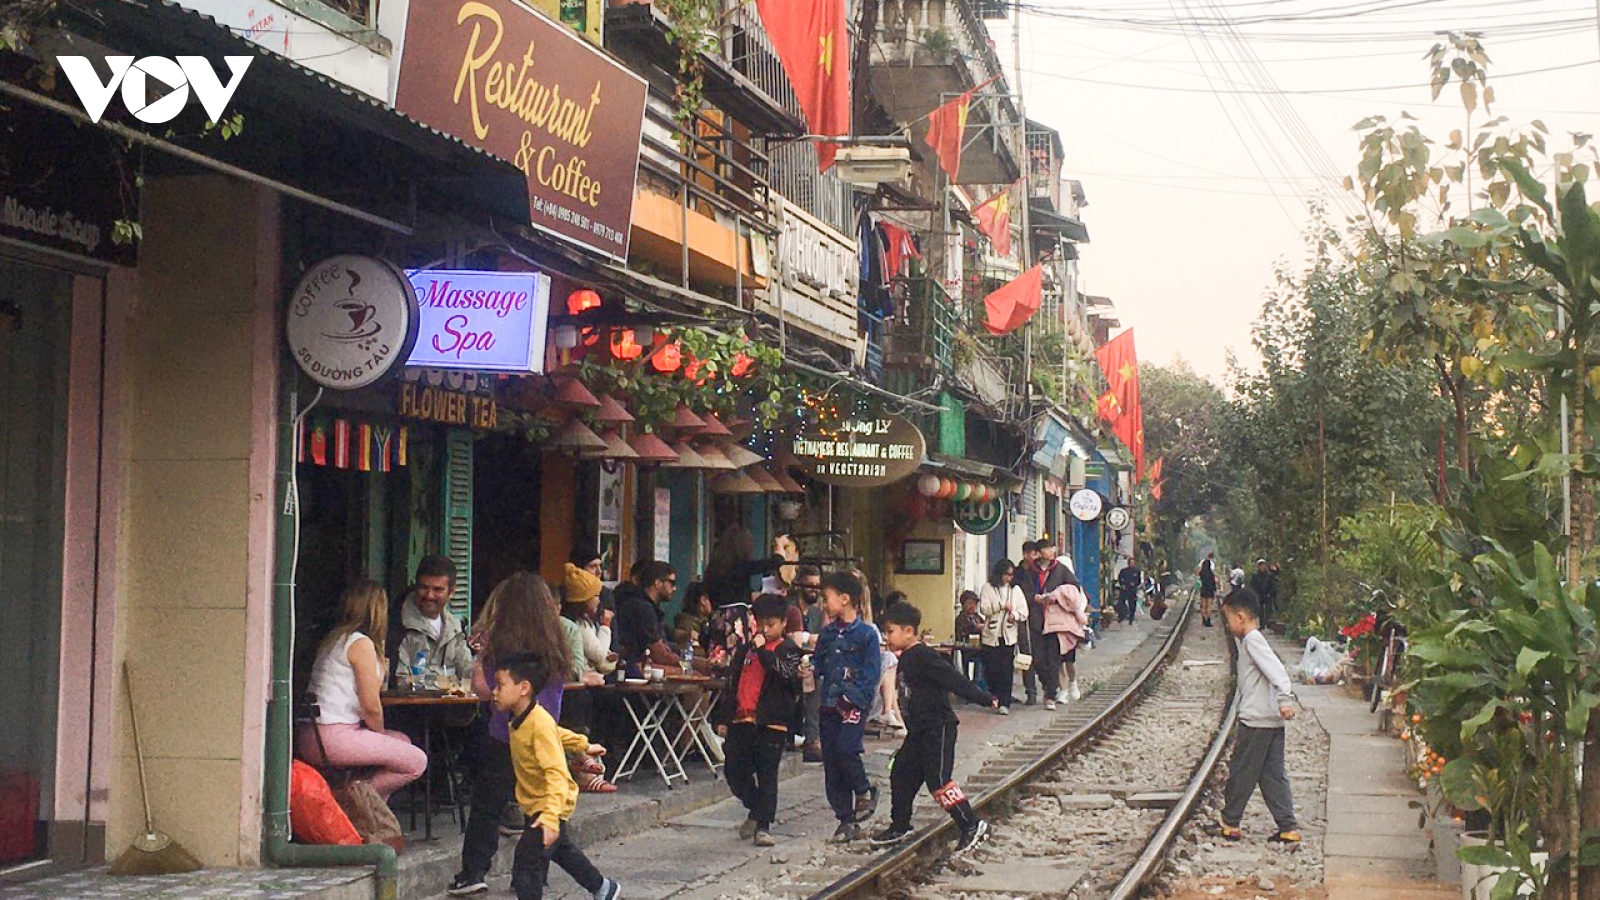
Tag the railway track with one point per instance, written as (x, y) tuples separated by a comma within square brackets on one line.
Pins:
[(1022, 790)]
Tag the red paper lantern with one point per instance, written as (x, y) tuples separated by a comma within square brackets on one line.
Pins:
[(691, 369), (947, 488), (742, 365), (623, 346), (580, 301), (667, 358)]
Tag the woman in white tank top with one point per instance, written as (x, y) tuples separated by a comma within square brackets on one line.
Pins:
[(346, 680)]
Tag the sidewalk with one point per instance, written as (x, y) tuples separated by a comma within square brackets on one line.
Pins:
[(1373, 847)]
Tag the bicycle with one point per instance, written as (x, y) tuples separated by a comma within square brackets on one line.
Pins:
[(1392, 636)]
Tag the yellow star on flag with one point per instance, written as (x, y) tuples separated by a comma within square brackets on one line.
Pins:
[(1127, 371), (825, 60)]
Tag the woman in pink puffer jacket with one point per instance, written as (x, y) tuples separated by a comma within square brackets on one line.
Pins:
[(1066, 615)]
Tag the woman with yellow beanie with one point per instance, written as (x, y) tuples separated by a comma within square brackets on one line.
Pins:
[(580, 604)]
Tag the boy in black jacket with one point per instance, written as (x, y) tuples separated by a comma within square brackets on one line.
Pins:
[(928, 754), (753, 714)]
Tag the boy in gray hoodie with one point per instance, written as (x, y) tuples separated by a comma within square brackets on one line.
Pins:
[(1266, 699)]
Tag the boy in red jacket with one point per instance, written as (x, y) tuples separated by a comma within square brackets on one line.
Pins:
[(753, 714)]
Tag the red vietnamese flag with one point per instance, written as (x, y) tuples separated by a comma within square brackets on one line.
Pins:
[(1120, 365), (1008, 308), (813, 43), (1155, 477), (947, 126), (994, 220)]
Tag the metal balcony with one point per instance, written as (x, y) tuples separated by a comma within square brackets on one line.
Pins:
[(928, 51)]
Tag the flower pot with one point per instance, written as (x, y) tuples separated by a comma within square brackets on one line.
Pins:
[(1478, 881), (1471, 874)]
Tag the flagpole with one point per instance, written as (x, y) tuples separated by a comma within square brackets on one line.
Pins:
[(1027, 195)]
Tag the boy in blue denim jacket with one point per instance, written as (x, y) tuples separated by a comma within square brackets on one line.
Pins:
[(848, 665)]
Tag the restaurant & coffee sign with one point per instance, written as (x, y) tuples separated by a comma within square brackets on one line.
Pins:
[(522, 87), (861, 452)]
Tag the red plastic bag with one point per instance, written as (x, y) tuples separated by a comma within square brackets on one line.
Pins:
[(313, 813)]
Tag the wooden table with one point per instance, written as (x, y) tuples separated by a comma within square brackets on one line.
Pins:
[(432, 707)]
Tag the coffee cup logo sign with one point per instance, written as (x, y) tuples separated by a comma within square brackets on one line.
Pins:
[(1086, 505), (487, 321), (179, 75), (867, 452), (529, 90), (352, 320)]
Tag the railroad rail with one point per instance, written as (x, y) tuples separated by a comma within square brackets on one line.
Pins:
[(1123, 692)]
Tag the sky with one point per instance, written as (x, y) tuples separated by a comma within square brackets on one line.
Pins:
[(1201, 129)]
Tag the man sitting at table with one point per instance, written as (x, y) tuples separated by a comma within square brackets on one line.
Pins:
[(427, 627), (638, 632)]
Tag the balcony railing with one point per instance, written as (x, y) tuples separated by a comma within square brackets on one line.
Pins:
[(929, 32), (794, 163)]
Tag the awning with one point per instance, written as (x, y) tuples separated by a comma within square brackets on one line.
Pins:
[(956, 467), (310, 115), (1068, 227)]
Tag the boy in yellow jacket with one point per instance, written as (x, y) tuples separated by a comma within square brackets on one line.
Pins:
[(545, 789)]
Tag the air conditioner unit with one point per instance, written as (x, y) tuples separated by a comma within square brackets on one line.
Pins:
[(872, 165)]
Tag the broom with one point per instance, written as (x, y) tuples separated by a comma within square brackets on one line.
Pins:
[(154, 852)]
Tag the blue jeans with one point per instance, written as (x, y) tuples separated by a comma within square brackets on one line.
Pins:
[(842, 769)]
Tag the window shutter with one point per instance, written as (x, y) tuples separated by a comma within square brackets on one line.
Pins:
[(457, 538)]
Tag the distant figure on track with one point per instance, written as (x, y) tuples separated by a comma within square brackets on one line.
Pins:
[(927, 756), (1208, 588), (1266, 699)]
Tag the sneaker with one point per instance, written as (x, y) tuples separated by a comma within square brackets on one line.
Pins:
[(845, 833), (748, 829), (464, 885), (811, 752), (866, 804), (1285, 837), (1072, 692), (1229, 832), (1030, 701), (890, 836), (512, 821), (1062, 696), (609, 890), (1004, 710), (1050, 705), (763, 838), (973, 836)]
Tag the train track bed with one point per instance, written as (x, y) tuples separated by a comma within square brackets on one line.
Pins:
[(1074, 829), (1202, 866)]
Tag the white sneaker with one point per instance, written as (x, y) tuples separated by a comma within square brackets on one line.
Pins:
[(1072, 691), (1050, 705), (1062, 696)]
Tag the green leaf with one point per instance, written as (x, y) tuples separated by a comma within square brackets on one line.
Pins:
[(1486, 855), (1529, 658)]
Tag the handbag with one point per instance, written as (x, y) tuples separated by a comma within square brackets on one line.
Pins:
[(1023, 661), (372, 818)]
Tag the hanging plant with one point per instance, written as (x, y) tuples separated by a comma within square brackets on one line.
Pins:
[(693, 32)]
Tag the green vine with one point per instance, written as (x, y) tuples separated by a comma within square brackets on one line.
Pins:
[(693, 32)]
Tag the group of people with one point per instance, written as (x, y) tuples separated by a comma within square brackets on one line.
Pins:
[(1039, 611), (1263, 584)]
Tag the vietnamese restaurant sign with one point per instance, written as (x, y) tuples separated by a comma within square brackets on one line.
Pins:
[(482, 321), (861, 452), (529, 90)]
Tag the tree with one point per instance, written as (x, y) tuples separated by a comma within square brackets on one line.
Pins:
[(1183, 416)]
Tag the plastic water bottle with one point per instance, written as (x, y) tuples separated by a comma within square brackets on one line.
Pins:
[(419, 670), (688, 655)]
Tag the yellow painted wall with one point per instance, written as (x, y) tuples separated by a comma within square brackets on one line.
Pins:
[(874, 540), (188, 618)]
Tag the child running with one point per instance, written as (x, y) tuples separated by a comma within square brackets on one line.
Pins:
[(545, 789), (928, 753), (754, 713), (1265, 704), (847, 666)]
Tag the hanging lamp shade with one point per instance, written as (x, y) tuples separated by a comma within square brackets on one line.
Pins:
[(685, 422), (760, 475), (741, 456), (616, 447), (715, 458), (651, 449), (741, 428), (610, 412), (571, 393), (574, 437), (687, 458), (714, 427), (782, 476), (735, 483)]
